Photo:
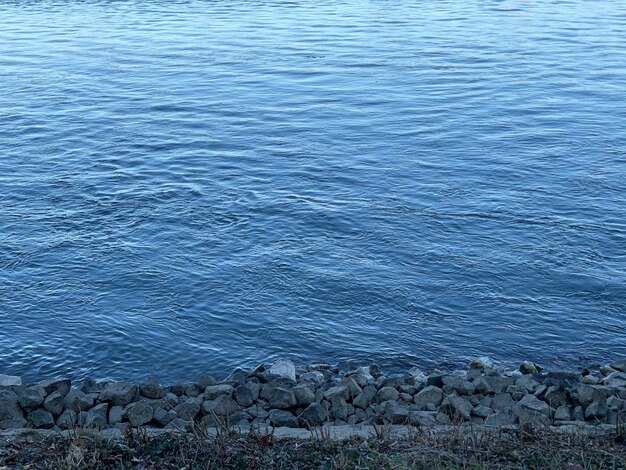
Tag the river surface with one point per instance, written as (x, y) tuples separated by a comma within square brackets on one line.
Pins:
[(190, 186)]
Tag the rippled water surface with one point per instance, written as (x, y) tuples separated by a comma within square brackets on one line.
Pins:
[(189, 186)]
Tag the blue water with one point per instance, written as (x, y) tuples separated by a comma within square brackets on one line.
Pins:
[(189, 186)]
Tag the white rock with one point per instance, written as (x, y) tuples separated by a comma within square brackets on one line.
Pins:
[(365, 370), (284, 368), (417, 374), (9, 380)]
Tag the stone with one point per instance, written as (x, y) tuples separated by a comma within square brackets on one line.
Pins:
[(531, 402), (422, 418), (237, 377), (40, 419), (615, 379), (418, 375), (482, 363), (586, 394), (619, 365), (9, 406), (314, 415), (396, 414), (527, 382), (189, 409), (163, 417), (457, 407), (353, 388), (435, 380), (243, 396), (193, 390), (78, 401), (578, 414), (442, 418), (223, 405), (430, 394), (362, 400), (171, 399), (393, 382), (491, 384), (283, 418), (205, 381), (213, 391), (338, 408), (116, 414), (304, 395), (283, 368), (67, 420), (555, 397), (459, 385), (32, 397), (119, 393), (152, 389), (97, 416), (10, 380), (562, 413), (615, 403), (138, 413), (387, 393), (16, 423), (179, 424), (312, 377), (61, 385), (54, 403), (529, 368), (481, 411), (338, 391), (281, 398), (502, 402), (500, 418), (597, 409)]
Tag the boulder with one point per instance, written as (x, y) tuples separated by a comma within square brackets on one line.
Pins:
[(597, 409), (562, 413), (138, 413), (620, 365), (179, 424), (78, 401), (10, 380), (615, 379), (213, 391), (422, 418), (304, 395), (32, 397), (586, 394), (502, 402), (283, 368), (312, 377), (430, 394), (119, 393), (67, 420), (283, 418), (152, 389), (386, 394), (61, 385), (16, 423), (116, 413), (205, 381), (9, 406), (338, 408), (97, 416), (223, 405), (314, 415), (337, 391), (189, 409), (282, 399), (40, 419), (481, 411), (243, 395), (500, 418), (457, 407), (54, 403), (459, 385), (163, 417), (528, 382)]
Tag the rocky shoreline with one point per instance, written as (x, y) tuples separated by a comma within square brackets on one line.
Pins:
[(319, 395)]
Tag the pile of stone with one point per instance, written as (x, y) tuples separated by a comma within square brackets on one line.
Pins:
[(318, 395)]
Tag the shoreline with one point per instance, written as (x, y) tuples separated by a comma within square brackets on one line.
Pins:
[(315, 396)]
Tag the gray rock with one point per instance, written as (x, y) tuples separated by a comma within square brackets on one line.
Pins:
[(312, 377), (282, 399), (442, 418), (115, 414), (620, 365), (171, 399), (54, 403), (363, 400), (9, 406), (179, 424), (338, 408), (459, 385), (386, 394), (481, 411), (119, 393), (353, 388), (283, 418), (223, 405), (500, 418), (61, 385), (16, 423), (422, 418), (40, 419), (243, 396), (562, 413), (528, 367), (189, 409), (586, 394), (304, 395), (314, 415), (193, 390), (78, 401), (283, 368), (418, 375), (32, 397), (163, 417), (67, 420), (338, 391), (615, 403), (213, 391), (430, 394), (531, 402), (138, 413), (10, 380), (597, 409), (435, 380), (555, 397), (205, 381), (527, 382), (97, 416), (578, 414), (396, 414), (457, 407), (152, 389), (616, 379)]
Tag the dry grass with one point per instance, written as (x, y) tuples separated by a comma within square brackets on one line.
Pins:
[(520, 448)]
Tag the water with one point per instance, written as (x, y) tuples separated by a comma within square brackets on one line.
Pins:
[(189, 186)]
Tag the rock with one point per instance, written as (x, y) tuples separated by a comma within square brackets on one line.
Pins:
[(54, 403), (152, 389), (393, 382), (61, 385), (171, 400), (32, 397), (491, 384), (223, 405), (67, 420), (78, 401), (457, 384), (529, 368), (163, 417), (435, 380), (10, 380), (500, 418), (283, 418), (192, 390), (17, 423), (304, 395), (97, 416), (502, 402), (527, 382), (9, 406), (189, 409), (281, 398), (314, 415), (578, 414), (442, 418), (482, 363), (396, 414), (597, 409), (430, 394), (617, 365), (243, 396), (353, 388), (313, 377), (362, 400), (422, 418), (616, 403), (615, 379), (283, 368), (237, 377), (457, 407), (586, 394), (387, 393), (116, 413), (138, 413), (562, 413), (555, 397), (213, 391), (482, 411), (178, 424), (205, 381), (417, 374), (119, 393), (338, 408), (531, 402), (563, 376), (40, 419), (338, 391)]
